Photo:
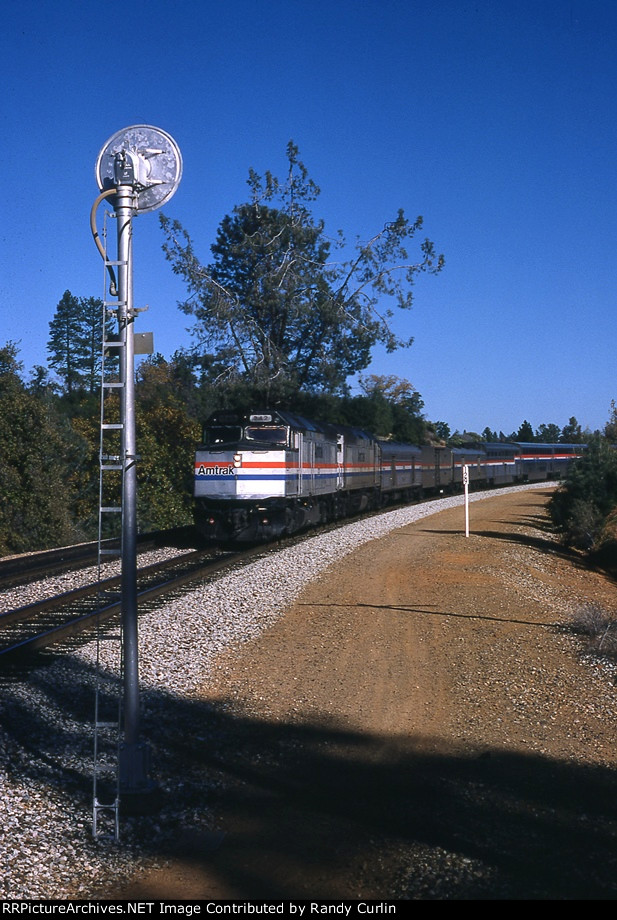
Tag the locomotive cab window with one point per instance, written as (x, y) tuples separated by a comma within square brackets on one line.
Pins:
[(222, 434), (273, 434)]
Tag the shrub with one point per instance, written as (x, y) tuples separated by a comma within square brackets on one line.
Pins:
[(590, 620), (599, 628), (588, 495)]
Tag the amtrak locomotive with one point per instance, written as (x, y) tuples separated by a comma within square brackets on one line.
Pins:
[(264, 474)]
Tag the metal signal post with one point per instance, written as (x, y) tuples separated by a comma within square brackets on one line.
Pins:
[(133, 756), (137, 171)]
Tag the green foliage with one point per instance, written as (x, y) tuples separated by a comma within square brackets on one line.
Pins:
[(396, 390), (525, 433), (464, 439), (548, 434), (49, 456), (374, 411), (610, 429), (10, 367), (397, 407), (36, 450), (167, 437), (75, 342), (442, 430), (84, 469), (572, 433), (274, 307), (587, 496)]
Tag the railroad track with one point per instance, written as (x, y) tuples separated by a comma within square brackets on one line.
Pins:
[(78, 612), (15, 570)]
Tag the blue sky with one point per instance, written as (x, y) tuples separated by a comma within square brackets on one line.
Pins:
[(496, 120)]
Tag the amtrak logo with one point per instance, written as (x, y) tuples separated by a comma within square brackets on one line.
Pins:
[(215, 470)]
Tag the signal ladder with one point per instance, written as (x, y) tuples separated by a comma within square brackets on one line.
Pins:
[(108, 676)]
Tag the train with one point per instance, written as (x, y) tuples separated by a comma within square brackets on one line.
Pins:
[(262, 475)]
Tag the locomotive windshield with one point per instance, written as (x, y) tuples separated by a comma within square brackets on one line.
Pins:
[(273, 434), (222, 434), (234, 434)]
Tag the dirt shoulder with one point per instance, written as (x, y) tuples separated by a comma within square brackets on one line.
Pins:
[(418, 725)]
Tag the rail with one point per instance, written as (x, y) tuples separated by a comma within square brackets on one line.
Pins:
[(46, 622), (27, 566)]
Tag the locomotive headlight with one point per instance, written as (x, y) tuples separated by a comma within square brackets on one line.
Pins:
[(237, 460)]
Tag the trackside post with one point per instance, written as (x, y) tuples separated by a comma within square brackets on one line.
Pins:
[(466, 485)]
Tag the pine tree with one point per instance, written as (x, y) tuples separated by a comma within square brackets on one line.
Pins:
[(284, 314), (75, 342), (610, 429), (572, 433), (548, 434), (62, 347), (525, 433)]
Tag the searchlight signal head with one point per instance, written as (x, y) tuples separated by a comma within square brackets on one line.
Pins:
[(145, 158), (134, 169)]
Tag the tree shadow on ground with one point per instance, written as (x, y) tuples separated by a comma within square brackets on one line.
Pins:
[(433, 610), (312, 809), (542, 544), (601, 563)]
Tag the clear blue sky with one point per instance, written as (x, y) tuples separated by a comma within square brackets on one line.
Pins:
[(494, 119)]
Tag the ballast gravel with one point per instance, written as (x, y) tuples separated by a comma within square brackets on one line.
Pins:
[(20, 596), (47, 850)]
